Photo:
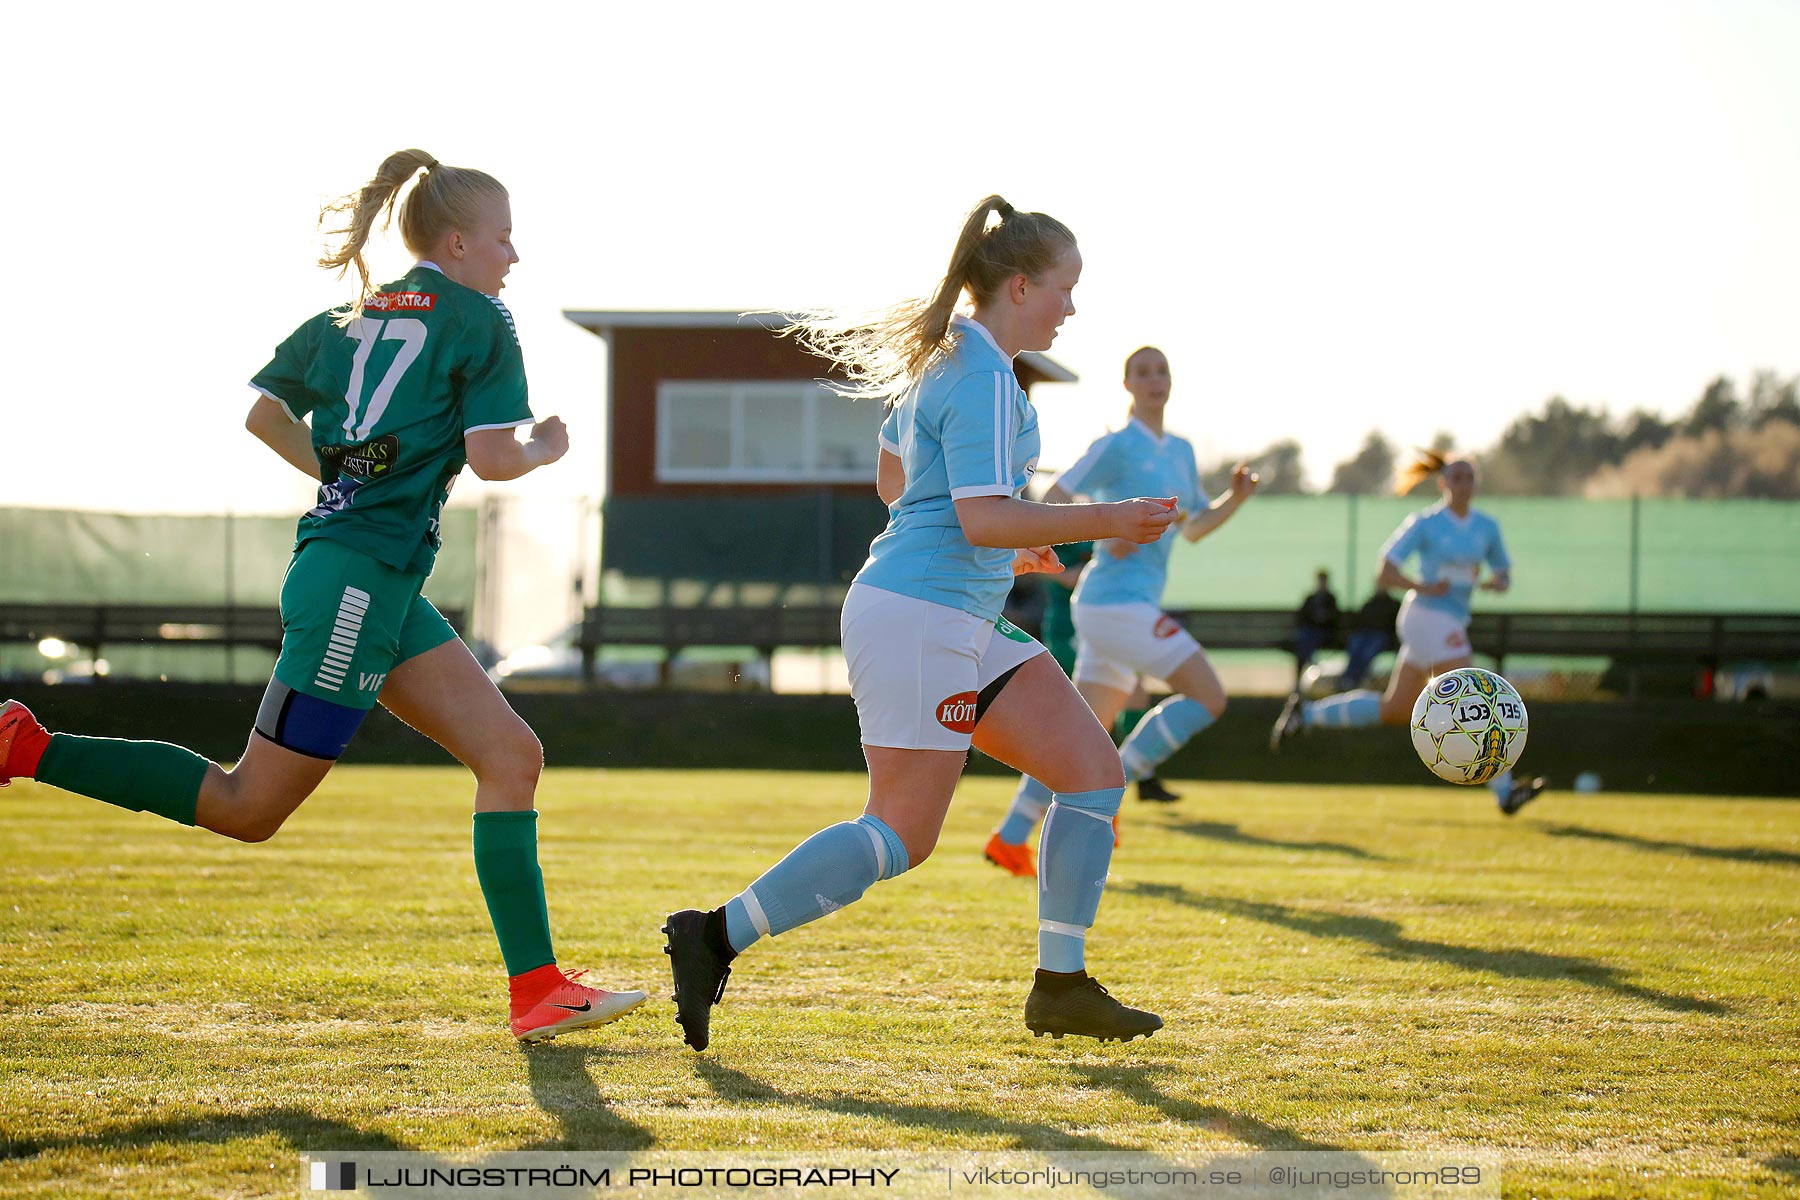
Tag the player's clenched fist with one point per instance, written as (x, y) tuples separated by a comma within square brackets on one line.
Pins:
[(550, 440), (1143, 520), (1028, 559)]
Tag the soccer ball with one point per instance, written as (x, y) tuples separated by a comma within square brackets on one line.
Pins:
[(1468, 725)]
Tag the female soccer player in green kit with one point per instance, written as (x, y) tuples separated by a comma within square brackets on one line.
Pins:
[(403, 387)]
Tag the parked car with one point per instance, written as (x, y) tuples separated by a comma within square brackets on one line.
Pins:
[(1743, 682)]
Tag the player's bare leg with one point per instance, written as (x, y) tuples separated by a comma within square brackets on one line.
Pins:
[(1199, 700), (444, 694), (252, 800), (1040, 725)]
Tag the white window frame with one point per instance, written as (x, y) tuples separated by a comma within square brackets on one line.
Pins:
[(734, 393)]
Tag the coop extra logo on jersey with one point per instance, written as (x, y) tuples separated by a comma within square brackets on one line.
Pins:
[(957, 712), (1166, 626), (400, 302), (366, 460)]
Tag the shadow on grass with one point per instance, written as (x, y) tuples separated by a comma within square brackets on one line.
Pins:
[(1220, 831), (298, 1128), (1783, 1166), (1138, 1083), (565, 1089), (1385, 936), (560, 1083), (1756, 854), (739, 1088)]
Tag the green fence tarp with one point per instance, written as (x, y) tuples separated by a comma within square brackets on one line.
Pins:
[(1569, 555), (58, 556)]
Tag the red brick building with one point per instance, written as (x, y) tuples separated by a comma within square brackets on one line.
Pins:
[(728, 460)]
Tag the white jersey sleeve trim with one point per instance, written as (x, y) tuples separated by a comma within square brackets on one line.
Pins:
[(502, 425), (891, 447), (277, 399), (1070, 480), (1390, 549), (985, 489)]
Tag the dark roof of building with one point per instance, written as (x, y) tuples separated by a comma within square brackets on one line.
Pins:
[(603, 323)]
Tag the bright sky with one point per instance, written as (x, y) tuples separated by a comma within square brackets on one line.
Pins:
[(1333, 217)]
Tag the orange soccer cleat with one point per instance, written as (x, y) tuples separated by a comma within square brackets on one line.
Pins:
[(22, 742), (548, 1002), (1014, 860)]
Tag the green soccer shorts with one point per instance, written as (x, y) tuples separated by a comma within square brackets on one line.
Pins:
[(347, 620)]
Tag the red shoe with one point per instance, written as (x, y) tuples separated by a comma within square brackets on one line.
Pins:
[(1115, 824), (548, 1001), (22, 742), (1014, 860)]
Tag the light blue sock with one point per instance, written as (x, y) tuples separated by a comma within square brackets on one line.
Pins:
[(1164, 730), (1028, 805), (1073, 854), (827, 871), (1347, 710), (1501, 784)]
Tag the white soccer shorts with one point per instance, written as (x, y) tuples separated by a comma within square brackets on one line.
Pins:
[(1430, 636), (917, 668), (1116, 643)]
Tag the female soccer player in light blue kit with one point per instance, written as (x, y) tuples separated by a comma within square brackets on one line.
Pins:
[(1122, 633), (933, 665), (1453, 542)]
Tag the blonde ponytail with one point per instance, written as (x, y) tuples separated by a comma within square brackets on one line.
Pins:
[(885, 355), (444, 199), (1425, 464)]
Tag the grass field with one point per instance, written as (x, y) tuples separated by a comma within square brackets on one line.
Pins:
[(1602, 990)]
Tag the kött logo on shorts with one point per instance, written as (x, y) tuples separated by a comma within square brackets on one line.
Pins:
[(957, 712), (1166, 626)]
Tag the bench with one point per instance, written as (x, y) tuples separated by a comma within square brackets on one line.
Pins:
[(1707, 639), (95, 626)]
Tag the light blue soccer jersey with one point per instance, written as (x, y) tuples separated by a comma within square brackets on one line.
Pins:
[(965, 430), (1129, 462), (1449, 547)]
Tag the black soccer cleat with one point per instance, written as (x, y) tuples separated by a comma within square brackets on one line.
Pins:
[(1079, 1005), (1519, 795), (1152, 789), (1291, 721), (699, 975)]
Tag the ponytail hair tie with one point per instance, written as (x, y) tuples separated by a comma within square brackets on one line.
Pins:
[(1005, 210)]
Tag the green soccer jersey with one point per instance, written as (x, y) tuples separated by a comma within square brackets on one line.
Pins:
[(390, 396)]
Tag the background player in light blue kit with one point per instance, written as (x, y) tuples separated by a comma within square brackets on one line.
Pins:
[(934, 667), (1122, 633), (1452, 542)]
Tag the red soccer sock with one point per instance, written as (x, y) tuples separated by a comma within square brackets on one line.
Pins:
[(28, 747), (534, 985)]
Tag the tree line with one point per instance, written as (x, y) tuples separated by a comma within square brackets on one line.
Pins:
[(1727, 444)]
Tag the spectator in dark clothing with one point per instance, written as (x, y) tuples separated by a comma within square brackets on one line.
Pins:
[(1372, 634), (1315, 625)]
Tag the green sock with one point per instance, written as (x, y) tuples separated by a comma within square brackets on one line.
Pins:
[(153, 777), (506, 863)]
